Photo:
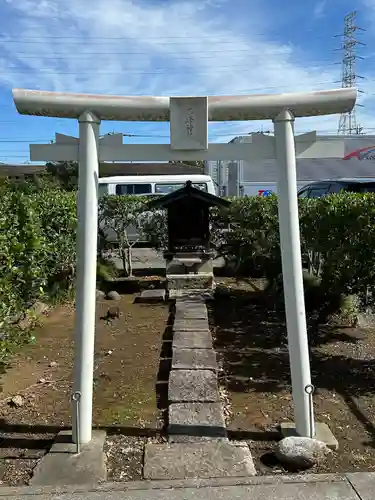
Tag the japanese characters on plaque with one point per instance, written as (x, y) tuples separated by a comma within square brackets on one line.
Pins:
[(188, 122)]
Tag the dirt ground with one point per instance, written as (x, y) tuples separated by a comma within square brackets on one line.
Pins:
[(252, 344), (127, 355), (250, 338)]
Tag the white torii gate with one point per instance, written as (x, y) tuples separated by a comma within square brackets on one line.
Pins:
[(188, 118)]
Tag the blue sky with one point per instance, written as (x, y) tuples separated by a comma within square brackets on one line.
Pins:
[(174, 47)]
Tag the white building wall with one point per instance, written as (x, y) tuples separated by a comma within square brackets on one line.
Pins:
[(219, 170)]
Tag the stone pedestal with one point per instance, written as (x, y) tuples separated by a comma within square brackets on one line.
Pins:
[(189, 263), (189, 271)]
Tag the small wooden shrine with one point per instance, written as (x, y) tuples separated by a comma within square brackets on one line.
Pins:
[(189, 252)]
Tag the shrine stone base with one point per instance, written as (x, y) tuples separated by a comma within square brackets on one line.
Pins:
[(189, 271), (201, 281), (189, 263)]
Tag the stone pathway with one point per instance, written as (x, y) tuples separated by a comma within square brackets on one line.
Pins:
[(198, 446)]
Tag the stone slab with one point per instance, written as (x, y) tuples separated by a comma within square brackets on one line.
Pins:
[(192, 340), (190, 324), (188, 302), (62, 466), (189, 422), (199, 296), (191, 313), (193, 386), (197, 460), (363, 483), (199, 281), (152, 296), (189, 264), (188, 305), (322, 433), (194, 359)]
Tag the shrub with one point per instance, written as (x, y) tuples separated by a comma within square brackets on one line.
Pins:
[(37, 250), (337, 240)]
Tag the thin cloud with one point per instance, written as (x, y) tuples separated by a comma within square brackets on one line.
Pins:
[(172, 48), (320, 8)]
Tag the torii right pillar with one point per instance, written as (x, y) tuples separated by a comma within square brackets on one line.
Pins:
[(291, 259)]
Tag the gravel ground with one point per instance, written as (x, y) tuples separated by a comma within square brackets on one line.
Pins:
[(125, 456)]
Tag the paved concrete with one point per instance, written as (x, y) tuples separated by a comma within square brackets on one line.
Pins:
[(192, 339), (62, 466), (290, 487), (322, 433), (148, 258), (190, 422), (363, 483), (191, 460), (193, 386), (194, 359)]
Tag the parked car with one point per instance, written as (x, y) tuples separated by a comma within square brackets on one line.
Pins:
[(323, 188)]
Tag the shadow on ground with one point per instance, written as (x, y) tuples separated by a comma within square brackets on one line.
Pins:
[(251, 339)]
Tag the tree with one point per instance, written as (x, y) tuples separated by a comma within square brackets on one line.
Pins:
[(65, 174), (196, 163), (119, 214)]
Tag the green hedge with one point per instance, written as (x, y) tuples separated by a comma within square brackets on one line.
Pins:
[(337, 240), (37, 248)]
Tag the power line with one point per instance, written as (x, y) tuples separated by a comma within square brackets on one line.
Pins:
[(156, 136), (241, 55), (241, 37), (348, 122), (52, 71)]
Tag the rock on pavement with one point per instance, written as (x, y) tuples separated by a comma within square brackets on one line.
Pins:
[(301, 452)]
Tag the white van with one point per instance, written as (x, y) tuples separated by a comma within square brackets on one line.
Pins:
[(145, 185), (148, 185)]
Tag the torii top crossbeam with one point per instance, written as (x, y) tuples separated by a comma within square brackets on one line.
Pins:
[(146, 108)]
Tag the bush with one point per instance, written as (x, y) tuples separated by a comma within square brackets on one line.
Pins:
[(38, 244), (37, 249), (252, 241), (337, 240)]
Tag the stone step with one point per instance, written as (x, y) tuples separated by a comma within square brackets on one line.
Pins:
[(194, 359), (193, 386), (199, 281), (191, 314), (190, 324), (189, 304), (151, 296), (192, 339), (199, 296), (212, 459), (190, 422)]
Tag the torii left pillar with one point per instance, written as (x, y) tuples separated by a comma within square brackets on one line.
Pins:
[(87, 238)]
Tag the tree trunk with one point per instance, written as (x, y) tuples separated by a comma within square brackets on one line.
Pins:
[(130, 262)]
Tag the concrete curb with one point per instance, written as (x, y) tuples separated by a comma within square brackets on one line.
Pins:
[(145, 485)]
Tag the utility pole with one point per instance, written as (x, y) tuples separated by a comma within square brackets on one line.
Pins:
[(348, 121)]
